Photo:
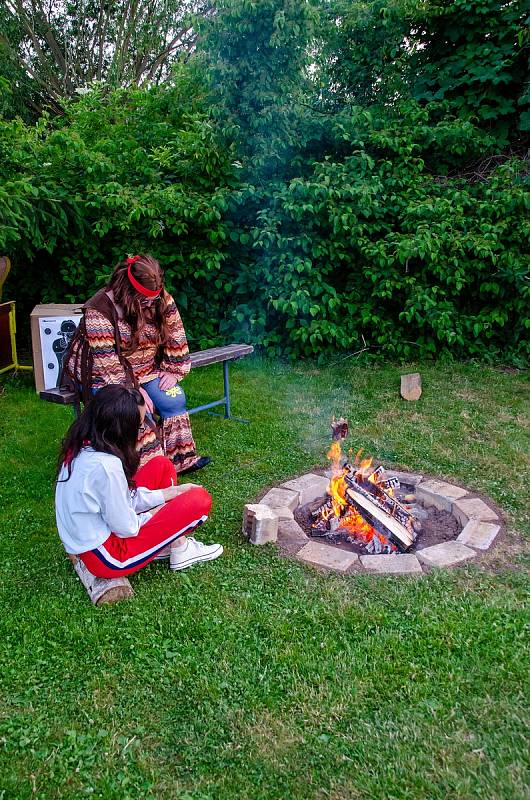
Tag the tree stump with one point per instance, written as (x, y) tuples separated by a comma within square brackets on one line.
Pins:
[(411, 386), (102, 591)]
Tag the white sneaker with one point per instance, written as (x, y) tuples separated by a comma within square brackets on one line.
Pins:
[(163, 554), (193, 552)]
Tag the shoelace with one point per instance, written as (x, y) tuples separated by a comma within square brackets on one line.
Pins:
[(195, 541)]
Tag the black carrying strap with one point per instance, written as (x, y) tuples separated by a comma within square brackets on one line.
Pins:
[(83, 360)]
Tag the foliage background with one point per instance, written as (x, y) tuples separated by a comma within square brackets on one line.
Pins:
[(315, 177)]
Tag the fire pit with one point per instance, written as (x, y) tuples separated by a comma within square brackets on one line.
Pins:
[(359, 516)]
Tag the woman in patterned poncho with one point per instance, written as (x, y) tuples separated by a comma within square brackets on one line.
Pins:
[(132, 334)]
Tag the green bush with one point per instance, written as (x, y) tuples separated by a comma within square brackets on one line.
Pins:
[(369, 250), (282, 214), (119, 173), (374, 251)]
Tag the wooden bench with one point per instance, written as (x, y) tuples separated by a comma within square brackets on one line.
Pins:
[(201, 358)]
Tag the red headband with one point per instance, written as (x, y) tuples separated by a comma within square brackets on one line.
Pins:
[(137, 285)]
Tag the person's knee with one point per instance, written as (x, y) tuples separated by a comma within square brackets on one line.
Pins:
[(202, 500), (174, 407), (193, 503), (171, 403), (166, 470), (159, 462)]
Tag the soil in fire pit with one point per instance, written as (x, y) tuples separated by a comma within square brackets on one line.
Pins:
[(437, 526)]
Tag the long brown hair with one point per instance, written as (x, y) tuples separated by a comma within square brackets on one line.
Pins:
[(109, 424), (136, 311)]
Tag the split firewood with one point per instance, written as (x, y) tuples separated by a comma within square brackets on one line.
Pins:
[(102, 591), (393, 528), (411, 386)]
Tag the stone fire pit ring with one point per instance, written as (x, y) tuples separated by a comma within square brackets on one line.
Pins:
[(271, 519)]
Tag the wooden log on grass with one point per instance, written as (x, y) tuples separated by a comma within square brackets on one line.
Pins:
[(102, 591), (411, 386)]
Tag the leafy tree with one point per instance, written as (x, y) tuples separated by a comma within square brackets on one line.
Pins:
[(63, 47), (256, 54), (297, 193), (365, 50), (475, 54), (472, 56)]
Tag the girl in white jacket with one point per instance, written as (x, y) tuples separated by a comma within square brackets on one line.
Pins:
[(115, 517)]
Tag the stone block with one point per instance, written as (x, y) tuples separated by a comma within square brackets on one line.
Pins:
[(480, 535), (290, 532), (281, 498), (446, 554), (473, 508), (260, 523), (309, 487), (325, 556), (249, 513), (393, 563), (439, 494), (411, 386), (282, 512)]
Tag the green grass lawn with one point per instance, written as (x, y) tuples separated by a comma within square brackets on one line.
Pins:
[(254, 676)]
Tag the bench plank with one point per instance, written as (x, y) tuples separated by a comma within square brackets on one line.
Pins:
[(63, 396), (216, 355), (201, 358)]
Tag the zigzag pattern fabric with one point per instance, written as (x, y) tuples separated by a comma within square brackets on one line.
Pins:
[(107, 369), (178, 440), (148, 445)]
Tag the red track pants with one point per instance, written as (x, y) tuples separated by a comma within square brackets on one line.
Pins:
[(119, 556)]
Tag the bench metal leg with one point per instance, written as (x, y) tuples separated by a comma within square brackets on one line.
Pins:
[(225, 401), (226, 398), (227, 389)]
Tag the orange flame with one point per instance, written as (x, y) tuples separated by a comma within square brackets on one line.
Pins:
[(352, 522), (334, 455)]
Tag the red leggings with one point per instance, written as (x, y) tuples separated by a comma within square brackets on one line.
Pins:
[(119, 556)]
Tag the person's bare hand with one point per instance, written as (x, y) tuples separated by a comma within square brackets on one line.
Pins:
[(148, 402), (166, 381), (174, 491)]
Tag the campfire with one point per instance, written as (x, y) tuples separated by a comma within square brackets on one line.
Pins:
[(362, 505)]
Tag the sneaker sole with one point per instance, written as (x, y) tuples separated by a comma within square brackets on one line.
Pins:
[(197, 560)]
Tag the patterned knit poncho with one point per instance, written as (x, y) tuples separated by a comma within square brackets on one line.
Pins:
[(107, 367), (175, 432)]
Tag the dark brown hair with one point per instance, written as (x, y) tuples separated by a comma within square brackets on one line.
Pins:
[(136, 313), (109, 424)]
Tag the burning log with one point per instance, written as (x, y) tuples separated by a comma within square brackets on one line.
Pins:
[(389, 483), (339, 429), (323, 511), (393, 527), (377, 474), (361, 505), (386, 502)]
